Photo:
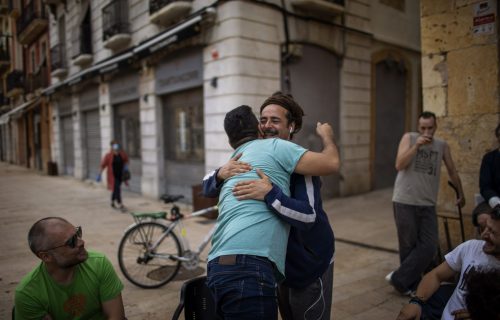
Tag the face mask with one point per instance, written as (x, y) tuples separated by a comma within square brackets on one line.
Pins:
[(116, 146)]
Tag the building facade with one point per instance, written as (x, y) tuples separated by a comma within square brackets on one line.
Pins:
[(159, 76), (25, 125)]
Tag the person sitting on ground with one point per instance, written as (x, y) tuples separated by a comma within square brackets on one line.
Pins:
[(483, 297), (472, 255), (489, 174), (69, 283)]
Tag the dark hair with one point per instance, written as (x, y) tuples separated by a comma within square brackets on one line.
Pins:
[(483, 294), (241, 126), (483, 207), (286, 101), (427, 115), (497, 131), (37, 233)]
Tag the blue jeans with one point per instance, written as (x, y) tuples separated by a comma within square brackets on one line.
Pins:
[(244, 287)]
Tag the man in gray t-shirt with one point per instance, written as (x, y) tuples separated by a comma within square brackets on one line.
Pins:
[(416, 188)]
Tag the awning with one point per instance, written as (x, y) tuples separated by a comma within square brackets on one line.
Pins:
[(12, 113), (176, 33)]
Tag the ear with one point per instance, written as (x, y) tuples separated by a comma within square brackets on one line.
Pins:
[(44, 256)]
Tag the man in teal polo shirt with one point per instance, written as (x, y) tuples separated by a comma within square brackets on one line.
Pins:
[(249, 246)]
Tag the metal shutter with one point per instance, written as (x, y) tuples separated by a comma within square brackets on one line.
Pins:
[(92, 135)]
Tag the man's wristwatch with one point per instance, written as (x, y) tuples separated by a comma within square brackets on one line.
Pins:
[(417, 300)]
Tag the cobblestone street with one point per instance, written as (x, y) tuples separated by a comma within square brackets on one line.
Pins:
[(360, 291)]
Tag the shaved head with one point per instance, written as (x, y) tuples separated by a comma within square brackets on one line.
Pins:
[(38, 235)]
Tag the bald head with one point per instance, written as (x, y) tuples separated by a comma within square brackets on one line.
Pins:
[(39, 234)]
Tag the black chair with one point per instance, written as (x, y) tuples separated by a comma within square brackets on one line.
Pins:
[(196, 300)]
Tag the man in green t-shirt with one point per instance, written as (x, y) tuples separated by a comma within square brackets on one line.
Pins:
[(69, 283)]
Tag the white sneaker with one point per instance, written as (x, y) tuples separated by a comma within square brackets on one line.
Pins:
[(388, 278)]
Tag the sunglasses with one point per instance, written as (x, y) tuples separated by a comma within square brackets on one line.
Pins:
[(71, 242)]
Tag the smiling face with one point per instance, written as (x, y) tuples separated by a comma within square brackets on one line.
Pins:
[(491, 237), (274, 122)]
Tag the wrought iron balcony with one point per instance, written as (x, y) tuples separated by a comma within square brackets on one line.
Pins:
[(115, 26), (15, 83), (58, 64), (37, 80), (32, 22), (164, 12)]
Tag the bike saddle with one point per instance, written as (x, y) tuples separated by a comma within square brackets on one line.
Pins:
[(171, 198)]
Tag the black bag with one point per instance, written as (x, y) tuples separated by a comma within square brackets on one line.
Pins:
[(126, 175)]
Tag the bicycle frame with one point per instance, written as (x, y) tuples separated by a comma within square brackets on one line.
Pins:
[(182, 235)]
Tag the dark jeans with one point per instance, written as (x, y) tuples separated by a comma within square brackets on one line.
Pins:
[(434, 307), (311, 302), (418, 241), (117, 193), (245, 289)]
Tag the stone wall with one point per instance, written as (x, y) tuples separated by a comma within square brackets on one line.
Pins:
[(461, 85)]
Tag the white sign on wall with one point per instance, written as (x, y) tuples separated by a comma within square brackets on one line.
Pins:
[(483, 21)]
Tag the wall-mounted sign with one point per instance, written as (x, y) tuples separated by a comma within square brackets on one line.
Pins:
[(484, 17)]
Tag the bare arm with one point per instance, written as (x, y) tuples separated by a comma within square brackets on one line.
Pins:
[(406, 151), (321, 163), (113, 309), (429, 284), (452, 172)]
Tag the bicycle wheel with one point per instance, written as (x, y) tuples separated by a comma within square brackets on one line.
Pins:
[(144, 267)]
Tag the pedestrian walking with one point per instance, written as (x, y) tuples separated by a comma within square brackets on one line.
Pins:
[(416, 188), (116, 164)]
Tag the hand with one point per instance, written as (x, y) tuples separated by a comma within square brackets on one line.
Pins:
[(324, 130), (421, 140), (461, 314), (461, 201), (253, 189), (98, 178), (410, 311), (232, 168)]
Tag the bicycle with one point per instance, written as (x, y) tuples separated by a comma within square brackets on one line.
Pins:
[(151, 251)]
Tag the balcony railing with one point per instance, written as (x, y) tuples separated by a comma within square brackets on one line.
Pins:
[(115, 19), (32, 22), (15, 82), (155, 5), (37, 80)]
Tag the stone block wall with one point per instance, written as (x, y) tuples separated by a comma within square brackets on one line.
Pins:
[(460, 83)]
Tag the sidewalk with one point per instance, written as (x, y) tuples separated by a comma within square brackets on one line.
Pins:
[(360, 291)]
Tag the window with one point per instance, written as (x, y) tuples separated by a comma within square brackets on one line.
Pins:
[(184, 129)]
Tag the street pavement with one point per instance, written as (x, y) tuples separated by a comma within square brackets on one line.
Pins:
[(363, 225)]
